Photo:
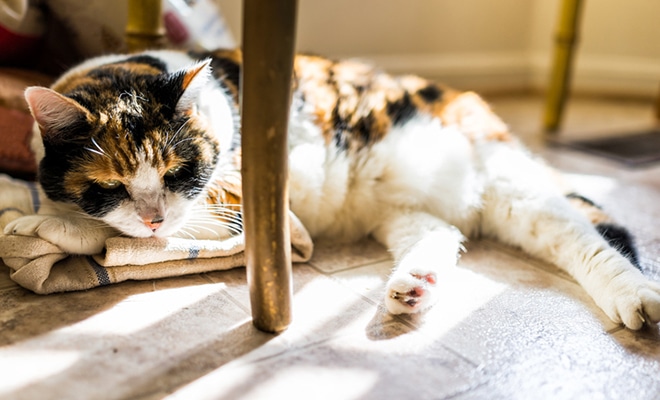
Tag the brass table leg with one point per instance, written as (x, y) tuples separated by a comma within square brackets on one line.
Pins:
[(561, 68), (268, 50), (144, 27)]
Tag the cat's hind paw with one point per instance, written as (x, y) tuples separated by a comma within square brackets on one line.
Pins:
[(641, 308), (410, 292), (633, 300)]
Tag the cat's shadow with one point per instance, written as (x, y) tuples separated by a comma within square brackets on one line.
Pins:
[(385, 326)]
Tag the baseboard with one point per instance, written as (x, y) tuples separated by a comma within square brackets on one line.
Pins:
[(468, 71), (604, 74), (516, 71)]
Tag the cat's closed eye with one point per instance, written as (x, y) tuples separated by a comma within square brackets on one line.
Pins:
[(109, 184), (172, 172)]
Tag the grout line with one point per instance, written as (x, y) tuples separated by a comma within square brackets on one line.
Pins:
[(531, 260), (226, 293), (365, 264), (236, 302), (465, 391)]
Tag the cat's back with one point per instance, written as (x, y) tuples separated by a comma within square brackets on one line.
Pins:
[(356, 104), (121, 65)]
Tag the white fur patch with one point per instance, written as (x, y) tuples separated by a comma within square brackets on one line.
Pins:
[(420, 165)]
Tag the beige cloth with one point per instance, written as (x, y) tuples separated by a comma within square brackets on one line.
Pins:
[(42, 267)]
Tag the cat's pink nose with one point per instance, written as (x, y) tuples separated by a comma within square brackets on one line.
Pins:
[(153, 223)]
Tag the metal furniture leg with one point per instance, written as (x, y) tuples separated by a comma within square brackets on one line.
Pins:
[(268, 50), (144, 27), (562, 63)]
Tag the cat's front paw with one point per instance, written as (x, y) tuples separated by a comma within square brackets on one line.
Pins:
[(632, 299), (410, 292), (73, 236)]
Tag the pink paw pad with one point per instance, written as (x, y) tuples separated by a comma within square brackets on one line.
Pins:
[(411, 297), (428, 278)]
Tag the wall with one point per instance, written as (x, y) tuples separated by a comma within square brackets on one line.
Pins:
[(619, 47), (484, 44)]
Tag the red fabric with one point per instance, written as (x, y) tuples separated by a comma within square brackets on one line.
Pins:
[(16, 48), (15, 135), (16, 157)]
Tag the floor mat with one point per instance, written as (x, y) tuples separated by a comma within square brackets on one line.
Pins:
[(633, 150)]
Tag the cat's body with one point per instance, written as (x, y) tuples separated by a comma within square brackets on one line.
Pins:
[(151, 147)]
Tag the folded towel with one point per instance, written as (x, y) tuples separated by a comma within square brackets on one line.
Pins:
[(42, 267)]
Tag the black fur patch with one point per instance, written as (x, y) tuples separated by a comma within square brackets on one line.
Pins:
[(168, 90), (148, 60), (364, 127), (51, 171), (341, 128), (196, 172), (430, 93), (135, 125), (402, 110), (621, 240), (223, 68), (582, 199), (98, 202)]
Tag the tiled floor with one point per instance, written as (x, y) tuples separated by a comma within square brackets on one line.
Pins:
[(507, 326)]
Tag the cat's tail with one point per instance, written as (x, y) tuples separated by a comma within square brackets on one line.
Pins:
[(617, 235)]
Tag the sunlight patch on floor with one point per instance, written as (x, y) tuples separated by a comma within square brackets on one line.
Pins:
[(22, 366), (462, 293), (140, 311)]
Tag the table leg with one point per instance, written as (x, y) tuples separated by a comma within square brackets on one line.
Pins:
[(268, 51)]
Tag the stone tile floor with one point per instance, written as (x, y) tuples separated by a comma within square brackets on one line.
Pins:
[(507, 326)]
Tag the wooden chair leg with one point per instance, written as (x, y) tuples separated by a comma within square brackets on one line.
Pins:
[(562, 63), (268, 50)]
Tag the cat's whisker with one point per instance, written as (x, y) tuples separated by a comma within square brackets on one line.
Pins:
[(95, 151), (192, 225), (184, 232), (176, 134), (216, 222), (212, 206), (233, 213), (98, 149), (181, 141), (218, 208), (223, 222), (207, 229)]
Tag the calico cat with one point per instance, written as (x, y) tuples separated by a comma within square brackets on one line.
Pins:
[(149, 145)]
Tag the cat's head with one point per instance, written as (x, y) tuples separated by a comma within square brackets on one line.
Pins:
[(128, 148)]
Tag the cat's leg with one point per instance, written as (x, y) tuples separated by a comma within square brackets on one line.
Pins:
[(73, 232), (522, 211), (425, 249)]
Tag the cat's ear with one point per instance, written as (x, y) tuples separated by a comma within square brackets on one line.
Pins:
[(192, 80), (56, 114)]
